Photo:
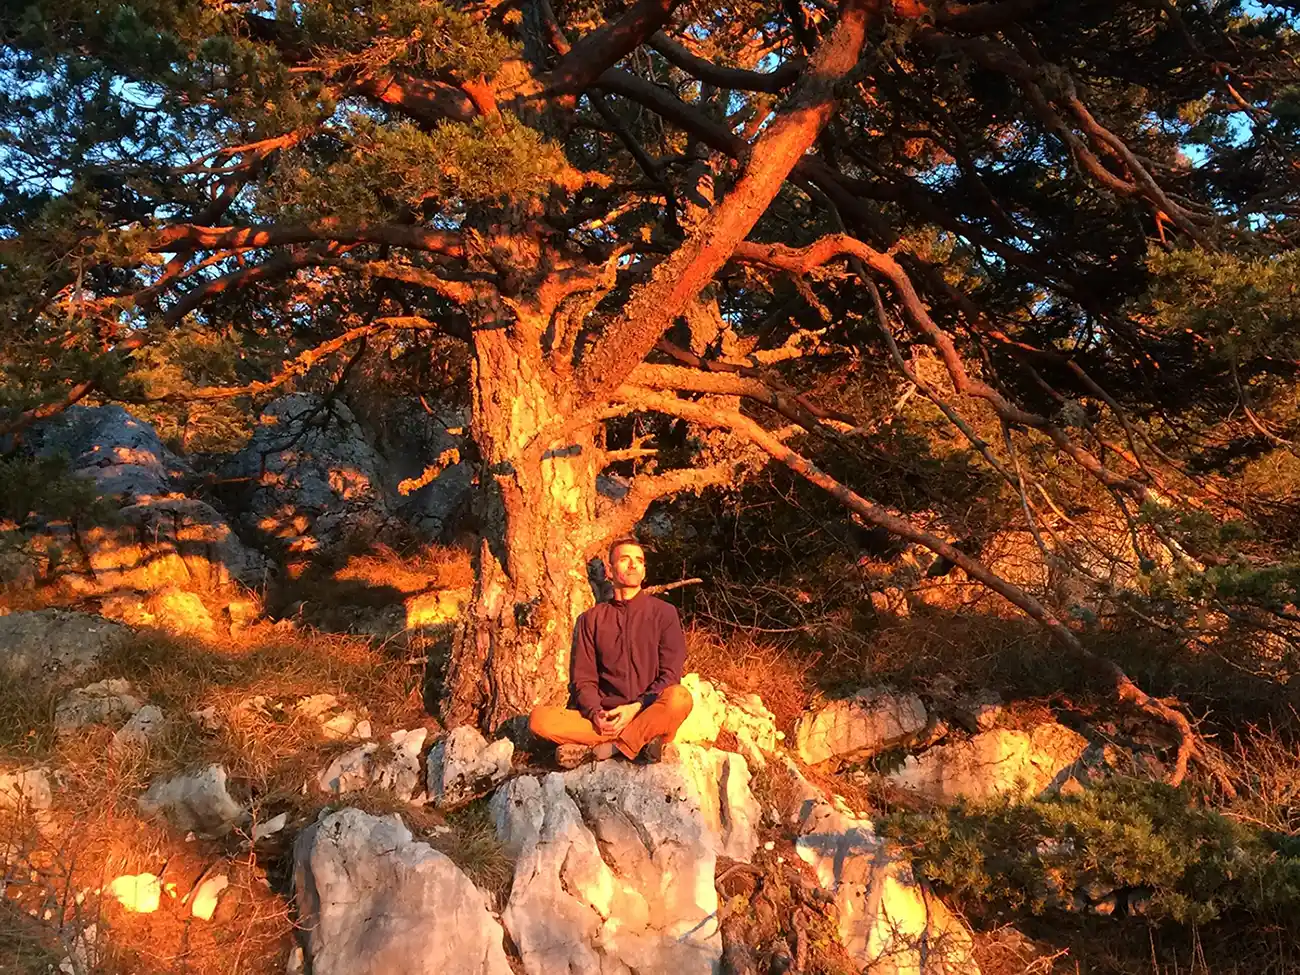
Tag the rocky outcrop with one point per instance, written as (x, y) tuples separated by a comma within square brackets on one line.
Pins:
[(717, 709), (197, 802), (160, 536), (425, 455), (888, 922), (103, 702), (615, 862), (395, 769), (463, 765), (871, 721), (53, 646), (994, 763), (372, 901), (313, 480)]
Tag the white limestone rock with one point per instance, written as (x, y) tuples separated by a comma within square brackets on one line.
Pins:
[(616, 862), (708, 711), (869, 722), (203, 902), (717, 709), (395, 768), (888, 923), (103, 702), (462, 765), (373, 901), (196, 802), (142, 726), (994, 763)]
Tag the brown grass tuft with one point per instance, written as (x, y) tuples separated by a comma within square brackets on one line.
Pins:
[(745, 665)]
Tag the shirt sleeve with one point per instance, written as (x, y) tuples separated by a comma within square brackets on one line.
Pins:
[(586, 684), (672, 655)]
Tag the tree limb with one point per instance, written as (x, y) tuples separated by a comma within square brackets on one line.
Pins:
[(730, 79), (1190, 745), (608, 44), (677, 280)]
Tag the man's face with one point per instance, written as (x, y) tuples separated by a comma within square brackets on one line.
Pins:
[(628, 568)]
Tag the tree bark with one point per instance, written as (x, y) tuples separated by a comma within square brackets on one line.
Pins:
[(537, 514)]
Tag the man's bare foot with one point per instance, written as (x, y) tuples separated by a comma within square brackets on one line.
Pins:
[(603, 751), (571, 756)]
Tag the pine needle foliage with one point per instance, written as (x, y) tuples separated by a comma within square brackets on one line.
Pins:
[(1174, 859)]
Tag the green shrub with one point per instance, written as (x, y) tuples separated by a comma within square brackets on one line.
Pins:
[(1188, 863)]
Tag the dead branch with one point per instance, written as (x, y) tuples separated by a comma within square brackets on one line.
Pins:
[(1189, 744)]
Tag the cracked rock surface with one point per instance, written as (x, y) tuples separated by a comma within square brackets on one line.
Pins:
[(374, 901), (615, 862)]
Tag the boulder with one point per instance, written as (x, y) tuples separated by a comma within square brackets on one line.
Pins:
[(707, 713), (462, 765), (178, 611), (717, 709), (395, 769), (197, 802), (315, 481), (168, 541), (994, 763), (888, 922), (25, 791), (871, 721), (160, 537), (121, 454), (372, 901), (51, 645), (103, 702), (615, 862), (424, 452), (141, 727)]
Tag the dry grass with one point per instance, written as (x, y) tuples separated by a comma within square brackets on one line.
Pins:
[(269, 753), (774, 673), (272, 750), (56, 870), (26, 719)]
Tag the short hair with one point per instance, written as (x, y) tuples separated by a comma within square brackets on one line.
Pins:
[(624, 540)]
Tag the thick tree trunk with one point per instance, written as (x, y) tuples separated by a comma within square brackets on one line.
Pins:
[(537, 510)]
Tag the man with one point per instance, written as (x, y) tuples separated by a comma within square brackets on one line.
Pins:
[(627, 667)]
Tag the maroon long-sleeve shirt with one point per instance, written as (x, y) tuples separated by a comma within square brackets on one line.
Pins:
[(624, 652)]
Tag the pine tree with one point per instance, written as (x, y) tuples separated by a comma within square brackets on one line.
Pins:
[(660, 210)]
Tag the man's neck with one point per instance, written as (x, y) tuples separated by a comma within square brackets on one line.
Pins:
[(625, 594)]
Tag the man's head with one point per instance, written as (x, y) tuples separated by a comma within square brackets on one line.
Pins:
[(626, 563)]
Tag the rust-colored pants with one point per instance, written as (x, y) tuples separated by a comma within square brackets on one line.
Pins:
[(568, 727)]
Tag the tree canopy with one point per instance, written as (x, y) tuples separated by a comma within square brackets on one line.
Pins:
[(957, 265)]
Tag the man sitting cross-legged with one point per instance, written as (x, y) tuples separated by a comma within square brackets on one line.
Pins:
[(627, 664)]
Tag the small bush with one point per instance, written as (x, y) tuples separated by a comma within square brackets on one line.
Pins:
[(1188, 864)]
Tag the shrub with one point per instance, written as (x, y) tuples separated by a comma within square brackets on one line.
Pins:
[(1188, 863)]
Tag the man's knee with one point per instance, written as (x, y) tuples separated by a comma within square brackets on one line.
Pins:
[(541, 721), (677, 698)]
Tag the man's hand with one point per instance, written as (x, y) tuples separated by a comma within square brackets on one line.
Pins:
[(613, 721)]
